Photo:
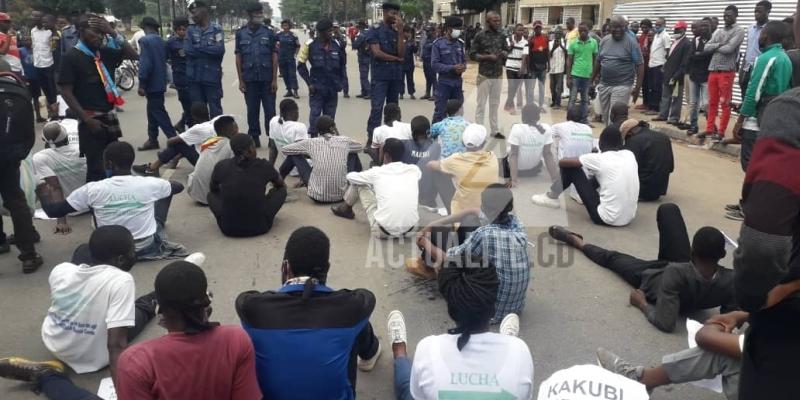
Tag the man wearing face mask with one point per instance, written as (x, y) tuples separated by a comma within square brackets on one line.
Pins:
[(205, 50), (448, 60), (655, 67), (761, 15), (387, 45), (674, 70), (257, 68)]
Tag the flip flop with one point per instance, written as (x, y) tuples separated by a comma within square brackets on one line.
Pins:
[(562, 234)]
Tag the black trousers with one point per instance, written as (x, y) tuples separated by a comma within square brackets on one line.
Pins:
[(673, 246), (587, 190), (14, 201), (771, 351), (274, 200), (366, 347), (93, 144)]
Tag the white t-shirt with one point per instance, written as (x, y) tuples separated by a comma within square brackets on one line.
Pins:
[(123, 200), (531, 143), (42, 50), (287, 132), (396, 192), (199, 183), (135, 39), (582, 382), (489, 363), (63, 162), (86, 301), (398, 130), (574, 139), (199, 133), (616, 172)]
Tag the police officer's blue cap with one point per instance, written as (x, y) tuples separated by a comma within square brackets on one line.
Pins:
[(324, 24), (253, 7), (390, 6), (453, 22)]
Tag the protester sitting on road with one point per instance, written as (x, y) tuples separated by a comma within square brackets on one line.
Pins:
[(718, 352), (449, 130), (682, 279), (611, 199), (418, 151), (93, 315), (528, 144), (237, 191), (392, 128), (60, 167), (197, 359), (284, 129), (573, 139), (333, 157), (307, 329), (389, 193), (187, 143), (212, 151), (443, 363), (653, 152), (138, 203), (470, 171)]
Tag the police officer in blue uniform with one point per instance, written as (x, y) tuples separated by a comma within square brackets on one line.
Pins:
[(176, 54), (257, 68), (448, 60), (153, 82), (425, 55), (387, 45), (408, 63), (289, 46), (327, 57), (205, 50), (362, 47)]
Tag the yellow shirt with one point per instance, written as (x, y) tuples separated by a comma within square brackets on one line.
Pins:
[(572, 36), (472, 172)]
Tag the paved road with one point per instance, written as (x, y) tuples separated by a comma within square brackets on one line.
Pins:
[(572, 308)]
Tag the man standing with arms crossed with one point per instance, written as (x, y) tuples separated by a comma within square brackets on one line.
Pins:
[(257, 68), (205, 49), (387, 45), (490, 50)]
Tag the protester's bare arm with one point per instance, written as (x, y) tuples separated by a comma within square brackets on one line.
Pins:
[(55, 194), (570, 163), (117, 342), (714, 338)]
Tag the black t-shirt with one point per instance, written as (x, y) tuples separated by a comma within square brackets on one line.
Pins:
[(242, 190), (80, 70), (653, 151)]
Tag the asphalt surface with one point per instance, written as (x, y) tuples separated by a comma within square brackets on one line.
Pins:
[(572, 308)]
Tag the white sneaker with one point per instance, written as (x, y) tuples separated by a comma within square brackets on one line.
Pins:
[(196, 258), (434, 210), (368, 365), (397, 327), (510, 325), (545, 201), (576, 197)]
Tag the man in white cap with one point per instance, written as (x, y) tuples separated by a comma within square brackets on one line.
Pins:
[(472, 171), (60, 167)]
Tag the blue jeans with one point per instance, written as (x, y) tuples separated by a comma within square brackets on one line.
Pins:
[(580, 85), (698, 97), (539, 76), (157, 117), (402, 378)]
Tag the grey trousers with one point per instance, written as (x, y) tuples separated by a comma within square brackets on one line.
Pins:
[(488, 88), (695, 364), (610, 95)]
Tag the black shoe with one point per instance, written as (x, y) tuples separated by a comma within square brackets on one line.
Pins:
[(12, 240), (411, 96), (716, 137), (31, 263), (683, 126), (673, 123), (425, 97), (288, 94), (179, 127), (366, 97), (691, 131), (20, 369), (657, 119), (144, 170), (358, 96), (296, 95), (346, 96), (149, 145), (257, 141), (431, 98)]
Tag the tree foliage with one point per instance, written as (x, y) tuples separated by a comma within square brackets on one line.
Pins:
[(125, 9), (420, 10), (480, 5), (64, 7)]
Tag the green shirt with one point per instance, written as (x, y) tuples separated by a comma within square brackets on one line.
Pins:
[(582, 54), (771, 76)]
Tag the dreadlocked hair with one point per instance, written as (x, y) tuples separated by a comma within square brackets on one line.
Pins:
[(469, 286), (308, 251)]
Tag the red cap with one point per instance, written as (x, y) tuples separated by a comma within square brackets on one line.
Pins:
[(537, 23), (4, 17), (681, 25)]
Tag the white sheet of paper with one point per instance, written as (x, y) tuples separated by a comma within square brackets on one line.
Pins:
[(106, 390), (715, 383), (40, 214)]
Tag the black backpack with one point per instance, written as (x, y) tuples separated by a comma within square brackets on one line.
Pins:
[(16, 118)]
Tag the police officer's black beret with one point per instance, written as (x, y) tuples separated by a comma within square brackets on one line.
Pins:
[(149, 21), (253, 7), (390, 6), (324, 24), (453, 22)]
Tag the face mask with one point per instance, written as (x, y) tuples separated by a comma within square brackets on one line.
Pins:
[(677, 35), (455, 34), (659, 30)]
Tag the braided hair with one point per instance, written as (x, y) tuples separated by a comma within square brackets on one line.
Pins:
[(308, 252), (240, 144), (469, 286), (531, 115)]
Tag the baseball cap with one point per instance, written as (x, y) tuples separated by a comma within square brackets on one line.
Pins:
[(537, 23), (4, 17), (474, 136), (681, 25)]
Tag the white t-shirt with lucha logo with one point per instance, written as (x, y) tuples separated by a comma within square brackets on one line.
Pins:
[(490, 366), (590, 382)]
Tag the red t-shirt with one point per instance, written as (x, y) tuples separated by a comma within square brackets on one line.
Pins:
[(218, 364), (12, 50)]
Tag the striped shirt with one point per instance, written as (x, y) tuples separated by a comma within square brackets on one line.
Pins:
[(557, 61), (329, 155), (518, 50)]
